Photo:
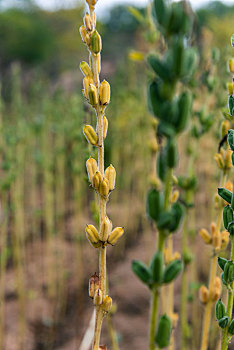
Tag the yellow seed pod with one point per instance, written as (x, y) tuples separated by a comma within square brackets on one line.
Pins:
[(104, 188), (224, 239), (88, 39), (105, 126), (105, 229), (217, 283), (217, 201), (97, 178), (225, 126), (90, 135), (155, 182), (88, 22), (213, 228), (205, 235), (99, 62), (175, 196), (174, 319), (174, 180), (93, 285), (154, 145), (86, 82), (230, 88), (216, 294), (84, 67), (92, 234), (91, 2), (176, 256), (231, 65), (83, 33), (228, 159), (110, 175), (91, 166), (115, 235), (93, 95), (216, 241), (107, 303), (104, 93), (97, 300), (96, 42), (203, 294), (167, 256), (219, 160)]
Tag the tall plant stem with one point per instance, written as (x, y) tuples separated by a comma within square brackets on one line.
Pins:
[(153, 317)]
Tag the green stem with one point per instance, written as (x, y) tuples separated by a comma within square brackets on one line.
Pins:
[(153, 317)]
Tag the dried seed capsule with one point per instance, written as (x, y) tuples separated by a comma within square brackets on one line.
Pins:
[(156, 267), (142, 271), (172, 270), (163, 334), (110, 175), (85, 69), (102, 347), (213, 228), (216, 294), (219, 160), (97, 300), (224, 239), (115, 235), (88, 22), (220, 310), (225, 194), (93, 95), (83, 33), (231, 65), (91, 2), (228, 159), (92, 234), (91, 166), (97, 178), (99, 62), (90, 135), (227, 216), (105, 126), (104, 93), (154, 145), (203, 294), (104, 188), (223, 322), (96, 42), (205, 235), (107, 303), (86, 83), (175, 196), (216, 241), (225, 127), (93, 284), (231, 328), (221, 262), (105, 229)]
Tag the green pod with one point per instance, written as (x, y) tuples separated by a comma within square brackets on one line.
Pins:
[(225, 194), (172, 153), (231, 139), (159, 67), (233, 158), (154, 204), (227, 215), (231, 228), (161, 11), (154, 98), (156, 267), (179, 22), (231, 105), (228, 272), (223, 280), (189, 63), (162, 337), (172, 270), (165, 220), (222, 262), (184, 103), (166, 129), (220, 310), (162, 165), (177, 213), (232, 201), (231, 328), (223, 322), (96, 42), (187, 257), (177, 52), (142, 271)]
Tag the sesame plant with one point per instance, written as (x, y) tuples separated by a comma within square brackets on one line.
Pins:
[(103, 182), (171, 103)]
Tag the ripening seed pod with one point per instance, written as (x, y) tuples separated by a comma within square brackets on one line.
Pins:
[(172, 270), (105, 229), (216, 294), (225, 194), (105, 126), (110, 175), (205, 235), (216, 241), (228, 159), (90, 135), (176, 256), (156, 267), (104, 188), (104, 93), (93, 284), (167, 256), (154, 145), (107, 303), (231, 65), (96, 42), (230, 88), (213, 228), (225, 127), (86, 82), (115, 235), (93, 95), (174, 319), (218, 283), (142, 271), (203, 294), (175, 196), (97, 299), (97, 178), (224, 239), (227, 215), (219, 160), (99, 62), (220, 310), (91, 166), (88, 40), (163, 334), (221, 262), (88, 22), (223, 322), (83, 33), (175, 180), (92, 234), (85, 69), (91, 2), (231, 328)]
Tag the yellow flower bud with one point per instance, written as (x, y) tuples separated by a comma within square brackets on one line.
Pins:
[(93, 95), (230, 88), (105, 229), (105, 126), (96, 42), (88, 22), (104, 188), (231, 65), (97, 300), (219, 160), (110, 175), (84, 67), (97, 178), (224, 239), (104, 93), (107, 303), (93, 285), (175, 196), (203, 294), (83, 33), (115, 235), (91, 165), (205, 235), (90, 134), (92, 234)]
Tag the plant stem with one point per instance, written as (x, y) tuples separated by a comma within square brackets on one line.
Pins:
[(153, 317)]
